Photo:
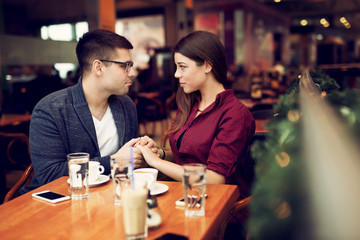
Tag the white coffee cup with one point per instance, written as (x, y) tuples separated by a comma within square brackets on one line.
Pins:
[(95, 169), (147, 174)]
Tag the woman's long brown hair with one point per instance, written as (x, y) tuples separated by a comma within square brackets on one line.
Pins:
[(199, 46)]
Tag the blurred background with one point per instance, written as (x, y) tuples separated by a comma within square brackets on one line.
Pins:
[(268, 44), (38, 38)]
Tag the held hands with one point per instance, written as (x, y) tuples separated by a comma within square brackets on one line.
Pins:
[(124, 152), (149, 155), (147, 143)]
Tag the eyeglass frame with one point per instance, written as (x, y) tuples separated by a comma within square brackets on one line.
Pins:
[(128, 64)]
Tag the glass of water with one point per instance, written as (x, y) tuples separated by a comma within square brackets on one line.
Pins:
[(78, 164), (120, 173), (194, 184)]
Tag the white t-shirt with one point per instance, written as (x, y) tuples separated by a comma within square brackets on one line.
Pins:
[(107, 135)]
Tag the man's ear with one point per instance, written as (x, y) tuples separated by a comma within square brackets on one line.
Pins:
[(97, 67)]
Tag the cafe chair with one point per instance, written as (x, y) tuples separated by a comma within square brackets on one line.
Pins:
[(238, 207), (15, 143), (25, 177), (150, 110), (241, 206)]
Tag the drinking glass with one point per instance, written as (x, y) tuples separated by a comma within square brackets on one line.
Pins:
[(78, 164), (135, 209), (194, 185), (120, 173)]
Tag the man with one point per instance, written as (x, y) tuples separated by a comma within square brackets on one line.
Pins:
[(94, 116)]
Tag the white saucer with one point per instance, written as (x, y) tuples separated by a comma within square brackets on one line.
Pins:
[(159, 189), (101, 179)]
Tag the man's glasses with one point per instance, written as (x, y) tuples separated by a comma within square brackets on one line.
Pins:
[(128, 65)]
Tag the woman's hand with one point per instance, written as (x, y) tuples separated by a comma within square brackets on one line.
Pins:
[(149, 155), (146, 141)]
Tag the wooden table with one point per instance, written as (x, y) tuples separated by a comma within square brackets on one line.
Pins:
[(260, 126), (249, 103), (14, 119), (98, 217)]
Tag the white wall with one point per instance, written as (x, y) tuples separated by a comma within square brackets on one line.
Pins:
[(15, 50)]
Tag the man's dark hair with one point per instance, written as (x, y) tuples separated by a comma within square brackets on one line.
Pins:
[(98, 44)]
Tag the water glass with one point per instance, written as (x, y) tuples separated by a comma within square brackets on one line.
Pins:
[(194, 184), (78, 164), (120, 173)]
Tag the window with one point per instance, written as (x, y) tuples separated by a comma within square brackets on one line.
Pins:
[(144, 33), (64, 32)]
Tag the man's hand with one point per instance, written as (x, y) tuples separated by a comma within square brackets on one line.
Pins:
[(124, 152)]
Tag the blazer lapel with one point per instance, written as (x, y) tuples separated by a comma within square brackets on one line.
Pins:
[(82, 110)]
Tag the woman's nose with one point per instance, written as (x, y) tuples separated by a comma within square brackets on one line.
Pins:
[(177, 74)]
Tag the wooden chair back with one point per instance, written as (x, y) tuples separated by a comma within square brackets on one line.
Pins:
[(25, 177), (28, 172), (239, 206)]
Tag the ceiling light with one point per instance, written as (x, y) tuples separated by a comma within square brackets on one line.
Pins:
[(319, 37), (303, 22), (344, 21), (277, 1), (323, 21)]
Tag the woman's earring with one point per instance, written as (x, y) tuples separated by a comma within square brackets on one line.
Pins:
[(207, 71)]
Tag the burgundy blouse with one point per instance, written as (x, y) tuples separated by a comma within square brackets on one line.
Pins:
[(218, 137)]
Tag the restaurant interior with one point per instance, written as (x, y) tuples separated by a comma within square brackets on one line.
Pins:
[(294, 63)]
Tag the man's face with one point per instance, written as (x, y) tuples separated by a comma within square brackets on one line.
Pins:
[(116, 80)]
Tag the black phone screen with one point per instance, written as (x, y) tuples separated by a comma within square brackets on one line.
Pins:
[(50, 195), (171, 236)]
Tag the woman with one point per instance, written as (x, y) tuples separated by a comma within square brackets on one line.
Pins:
[(211, 126)]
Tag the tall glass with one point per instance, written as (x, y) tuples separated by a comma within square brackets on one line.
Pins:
[(134, 210), (120, 173), (78, 164), (194, 184)]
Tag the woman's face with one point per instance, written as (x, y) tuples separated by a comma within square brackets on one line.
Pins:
[(191, 76)]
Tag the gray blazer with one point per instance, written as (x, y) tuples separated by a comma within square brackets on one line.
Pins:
[(61, 123)]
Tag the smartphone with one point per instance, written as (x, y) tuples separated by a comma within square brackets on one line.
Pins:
[(181, 202), (50, 196), (171, 236)]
